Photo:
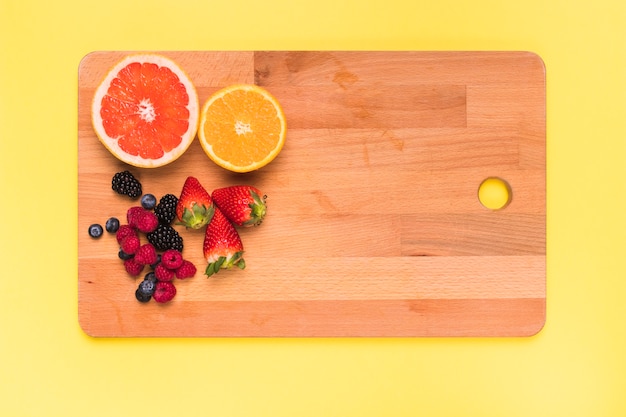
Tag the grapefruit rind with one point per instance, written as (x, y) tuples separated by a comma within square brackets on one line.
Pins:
[(208, 148), (112, 143)]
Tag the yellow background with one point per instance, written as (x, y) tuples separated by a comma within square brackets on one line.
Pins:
[(576, 366)]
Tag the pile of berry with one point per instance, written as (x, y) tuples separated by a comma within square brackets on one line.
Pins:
[(219, 213), (162, 250)]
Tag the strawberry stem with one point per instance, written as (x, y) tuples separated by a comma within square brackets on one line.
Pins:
[(258, 209), (200, 216), (224, 262)]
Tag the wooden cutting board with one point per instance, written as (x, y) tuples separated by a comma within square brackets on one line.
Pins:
[(374, 227)]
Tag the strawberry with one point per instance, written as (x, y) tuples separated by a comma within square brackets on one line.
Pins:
[(241, 204), (222, 245), (195, 207)]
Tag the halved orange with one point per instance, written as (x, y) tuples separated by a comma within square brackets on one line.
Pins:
[(242, 127), (146, 110)]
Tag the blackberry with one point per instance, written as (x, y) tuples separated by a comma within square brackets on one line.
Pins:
[(166, 209), (126, 184), (165, 237)]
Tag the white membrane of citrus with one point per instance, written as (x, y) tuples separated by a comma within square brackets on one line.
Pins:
[(146, 111)]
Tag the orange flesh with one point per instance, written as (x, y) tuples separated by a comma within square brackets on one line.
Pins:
[(145, 108), (258, 122)]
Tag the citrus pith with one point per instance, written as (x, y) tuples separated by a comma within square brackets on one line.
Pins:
[(242, 127), (146, 110)]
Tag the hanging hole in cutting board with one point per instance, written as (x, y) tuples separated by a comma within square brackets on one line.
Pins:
[(494, 193)]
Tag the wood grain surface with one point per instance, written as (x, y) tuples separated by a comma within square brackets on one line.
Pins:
[(374, 227)]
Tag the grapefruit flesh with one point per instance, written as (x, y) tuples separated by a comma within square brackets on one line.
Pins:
[(146, 110)]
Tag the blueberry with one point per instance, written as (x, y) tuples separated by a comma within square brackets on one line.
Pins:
[(112, 225), (148, 201), (150, 276), (123, 255), (95, 230), (158, 261), (141, 297), (147, 287)]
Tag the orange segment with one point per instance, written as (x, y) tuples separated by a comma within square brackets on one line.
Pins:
[(146, 111), (242, 127)]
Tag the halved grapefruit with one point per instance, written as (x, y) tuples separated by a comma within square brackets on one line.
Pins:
[(146, 110)]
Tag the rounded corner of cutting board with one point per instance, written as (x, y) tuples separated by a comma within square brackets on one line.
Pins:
[(85, 324), (539, 325)]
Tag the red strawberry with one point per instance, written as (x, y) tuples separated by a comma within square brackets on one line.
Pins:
[(243, 205), (222, 245), (195, 207)]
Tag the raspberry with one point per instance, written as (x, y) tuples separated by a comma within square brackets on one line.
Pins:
[(126, 184), (163, 274), (130, 244), (164, 292), (146, 254), (132, 215), (171, 259), (186, 270), (146, 221), (124, 231), (132, 267)]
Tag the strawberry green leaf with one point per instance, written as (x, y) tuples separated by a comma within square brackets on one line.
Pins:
[(200, 216)]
